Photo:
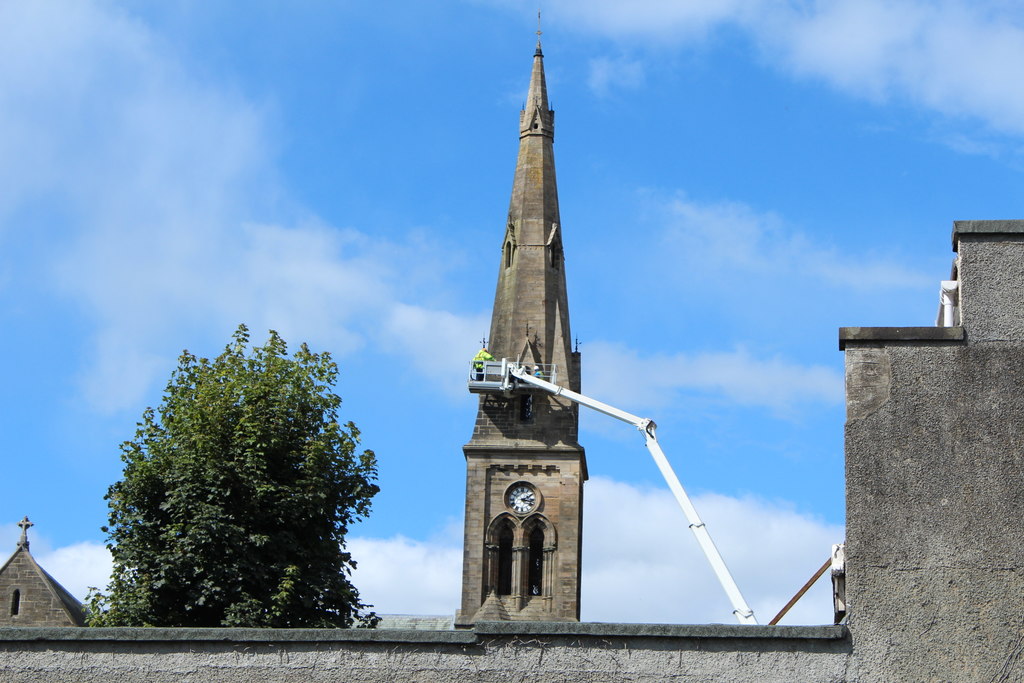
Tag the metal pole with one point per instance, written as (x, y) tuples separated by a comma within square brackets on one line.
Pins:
[(800, 593), (743, 613), (611, 411)]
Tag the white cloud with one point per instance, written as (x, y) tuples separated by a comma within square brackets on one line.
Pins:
[(447, 342), (955, 57), (399, 575), (656, 380), (640, 561), (607, 73), (858, 45), (78, 567), (727, 238), (98, 113), (157, 175), (972, 144), (662, 20)]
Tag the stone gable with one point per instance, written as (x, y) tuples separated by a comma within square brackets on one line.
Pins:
[(31, 597)]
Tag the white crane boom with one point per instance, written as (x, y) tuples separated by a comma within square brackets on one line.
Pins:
[(516, 372)]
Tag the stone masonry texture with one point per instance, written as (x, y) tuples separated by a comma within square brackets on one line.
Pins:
[(38, 595), (528, 437), (508, 652)]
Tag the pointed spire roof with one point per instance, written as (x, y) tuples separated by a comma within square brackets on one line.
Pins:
[(537, 95), (531, 318), (537, 118)]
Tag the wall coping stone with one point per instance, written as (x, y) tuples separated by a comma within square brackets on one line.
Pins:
[(309, 635), (459, 637), (516, 448), (602, 630), (990, 227), (853, 335)]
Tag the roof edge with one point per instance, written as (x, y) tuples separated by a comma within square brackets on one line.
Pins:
[(986, 227), (854, 335), (72, 607)]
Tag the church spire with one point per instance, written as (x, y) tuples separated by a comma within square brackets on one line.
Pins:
[(524, 466), (536, 109), (530, 321)]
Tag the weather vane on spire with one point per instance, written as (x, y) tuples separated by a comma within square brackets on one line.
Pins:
[(538, 52)]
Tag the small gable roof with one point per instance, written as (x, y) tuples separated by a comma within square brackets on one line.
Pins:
[(71, 605)]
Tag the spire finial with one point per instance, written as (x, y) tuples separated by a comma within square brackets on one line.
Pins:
[(24, 524), (538, 33)]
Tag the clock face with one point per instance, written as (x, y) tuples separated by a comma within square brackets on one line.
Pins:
[(521, 498)]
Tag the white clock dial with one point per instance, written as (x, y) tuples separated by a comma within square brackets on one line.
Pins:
[(522, 499)]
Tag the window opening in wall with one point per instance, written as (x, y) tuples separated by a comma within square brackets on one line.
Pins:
[(15, 602), (505, 560), (535, 579), (526, 408), (508, 254)]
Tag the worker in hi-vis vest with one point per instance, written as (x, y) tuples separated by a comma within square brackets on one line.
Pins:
[(478, 363)]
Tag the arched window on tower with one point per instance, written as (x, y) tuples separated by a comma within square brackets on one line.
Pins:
[(535, 573), (15, 602), (505, 560), (509, 249)]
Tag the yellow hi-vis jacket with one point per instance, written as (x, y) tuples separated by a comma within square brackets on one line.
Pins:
[(481, 356)]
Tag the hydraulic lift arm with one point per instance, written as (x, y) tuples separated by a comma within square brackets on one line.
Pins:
[(517, 373)]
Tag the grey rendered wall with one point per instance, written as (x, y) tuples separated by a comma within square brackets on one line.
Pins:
[(935, 482), (508, 652)]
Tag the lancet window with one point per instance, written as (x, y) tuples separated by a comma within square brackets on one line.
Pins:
[(535, 570), (505, 538)]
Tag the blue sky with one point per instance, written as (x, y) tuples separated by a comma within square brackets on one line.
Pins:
[(737, 181)]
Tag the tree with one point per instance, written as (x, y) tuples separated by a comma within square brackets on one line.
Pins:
[(237, 494)]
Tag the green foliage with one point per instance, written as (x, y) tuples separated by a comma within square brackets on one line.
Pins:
[(237, 494)]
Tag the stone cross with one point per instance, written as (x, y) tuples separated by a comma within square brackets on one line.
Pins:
[(24, 524)]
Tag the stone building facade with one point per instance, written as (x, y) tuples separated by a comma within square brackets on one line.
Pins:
[(31, 597), (524, 466)]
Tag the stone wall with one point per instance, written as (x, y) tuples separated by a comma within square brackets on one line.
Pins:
[(507, 652), (935, 479)]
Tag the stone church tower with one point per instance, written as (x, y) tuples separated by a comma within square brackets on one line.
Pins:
[(525, 468)]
